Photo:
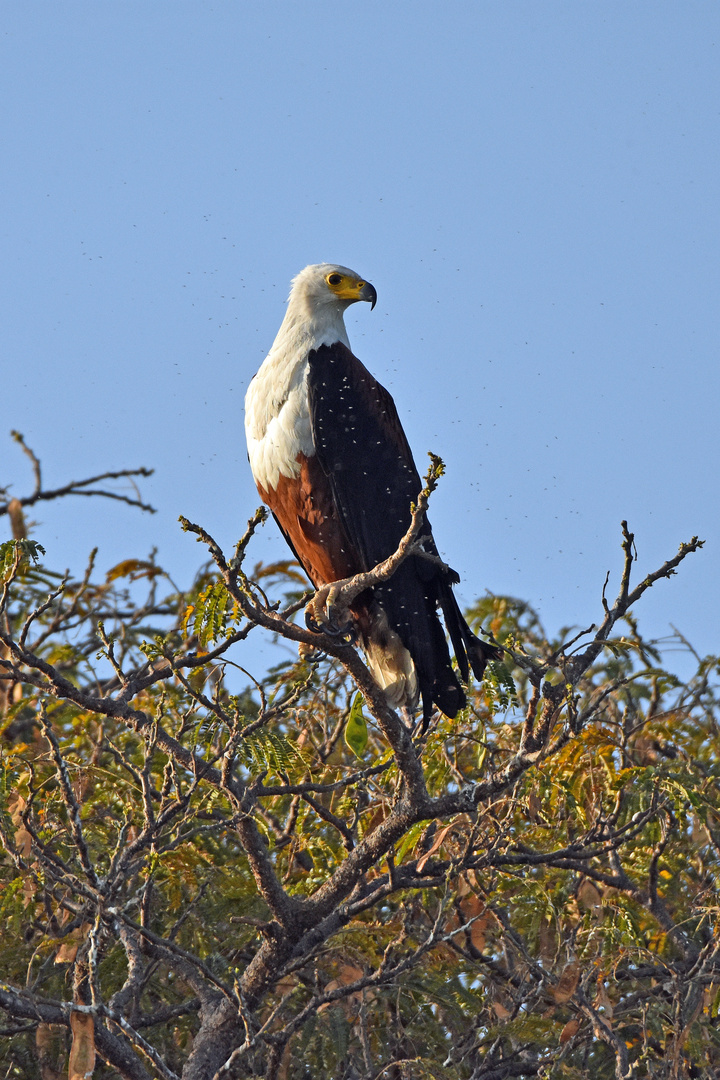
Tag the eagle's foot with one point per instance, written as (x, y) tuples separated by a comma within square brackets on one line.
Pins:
[(308, 654), (323, 615), (407, 716)]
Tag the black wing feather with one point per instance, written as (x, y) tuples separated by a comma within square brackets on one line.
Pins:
[(362, 448)]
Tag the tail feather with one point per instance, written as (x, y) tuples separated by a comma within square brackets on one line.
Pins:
[(405, 645), (469, 649), (480, 652), (389, 661)]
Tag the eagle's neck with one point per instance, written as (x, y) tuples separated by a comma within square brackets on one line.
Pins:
[(306, 326)]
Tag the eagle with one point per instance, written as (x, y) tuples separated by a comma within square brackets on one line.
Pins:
[(331, 461)]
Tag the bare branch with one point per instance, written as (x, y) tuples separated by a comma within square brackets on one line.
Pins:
[(76, 487)]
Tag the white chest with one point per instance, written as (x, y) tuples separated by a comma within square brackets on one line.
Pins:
[(277, 420)]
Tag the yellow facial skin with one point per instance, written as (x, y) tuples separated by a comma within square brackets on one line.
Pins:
[(351, 288)]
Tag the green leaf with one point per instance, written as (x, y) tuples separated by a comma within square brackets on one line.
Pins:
[(356, 732), (210, 613), (409, 840), (21, 550), (482, 746), (500, 686), (269, 750)]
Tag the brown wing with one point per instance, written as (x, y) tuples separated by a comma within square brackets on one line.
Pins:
[(304, 508)]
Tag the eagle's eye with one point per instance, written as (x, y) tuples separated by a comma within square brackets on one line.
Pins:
[(334, 279)]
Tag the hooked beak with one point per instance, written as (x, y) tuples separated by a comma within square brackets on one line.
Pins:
[(367, 292)]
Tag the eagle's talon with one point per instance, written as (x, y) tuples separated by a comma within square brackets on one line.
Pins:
[(311, 624), (328, 627), (309, 654), (321, 613)]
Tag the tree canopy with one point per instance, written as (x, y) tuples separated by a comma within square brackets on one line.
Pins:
[(207, 875)]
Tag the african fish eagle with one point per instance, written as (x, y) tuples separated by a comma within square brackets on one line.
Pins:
[(331, 461)]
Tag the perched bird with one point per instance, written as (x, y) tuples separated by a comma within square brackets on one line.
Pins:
[(330, 459)]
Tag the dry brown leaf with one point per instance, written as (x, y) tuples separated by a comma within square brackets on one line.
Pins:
[(82, 785), (67, 952), (472, 907), (463, 886), (472, 879), (82, 1052), (603, 1001), (571, 1028), (29, 890), (547, 940), (71, 943), (436, 845), (50, 1047), (377, 817), (23, 839), (17, 519), (534, 806), (700, 836), (477, 937), (567, 985), (286, 985), (16, 805), (588, 895), (286, 1061), (350, 973), (500, 1011), (304, 734), (347, 974)]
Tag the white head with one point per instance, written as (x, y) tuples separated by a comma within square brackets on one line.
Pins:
[(319, 296), (326, 284)]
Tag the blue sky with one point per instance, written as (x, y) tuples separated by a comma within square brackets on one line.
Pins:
[(531, 187)]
